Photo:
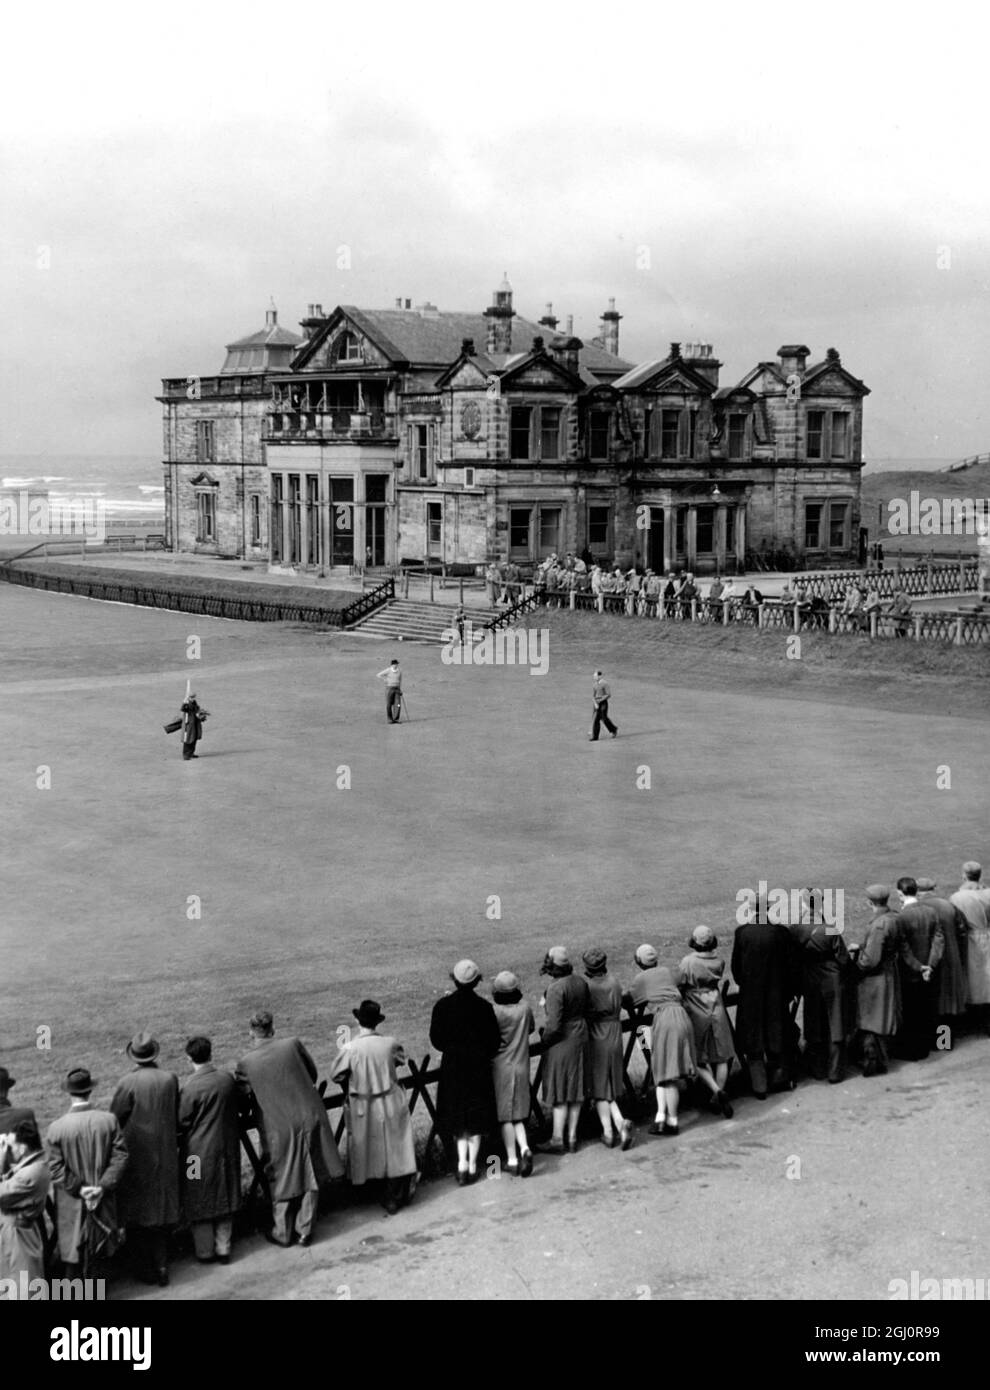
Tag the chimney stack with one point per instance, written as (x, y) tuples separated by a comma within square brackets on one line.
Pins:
[(793, 357), (675, 351), (500, 315), (565, 349), (467, 347), (569, 327), (408, 303), (610, 329), (702, 360), (315, 317), (549, 319)]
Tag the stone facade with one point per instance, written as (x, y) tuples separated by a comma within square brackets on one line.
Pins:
[(410, 435)]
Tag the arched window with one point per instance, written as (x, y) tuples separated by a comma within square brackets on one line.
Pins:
[(348, 348)]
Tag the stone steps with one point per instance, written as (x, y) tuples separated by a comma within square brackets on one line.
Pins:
[(414, 621)]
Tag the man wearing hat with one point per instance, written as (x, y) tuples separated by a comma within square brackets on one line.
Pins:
[(280, 1076), (379, 1127), (922, 947), (210, 1139), (146, 1103), (87, 1156), (878, 996), (766, 970), (392, 677), (973, 901), (22, 1203), (10, 1115), (950, 1002)]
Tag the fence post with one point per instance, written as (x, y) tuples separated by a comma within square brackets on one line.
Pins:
[(831, 619), (962, 576), (443, 576), (431, 586), (460, 590), (725, 612), (601, 603), (928, 579), (917, 627), (405, 585), (571, 604), (694, 610), (759, 615), (797, 617), (874, 626), (959, 631)]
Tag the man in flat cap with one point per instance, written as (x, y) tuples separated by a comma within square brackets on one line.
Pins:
[(87, 1156), (922, 947), (280, 1076), (951, 993), (600, 696), (878, 996), (392, 677), (146, 1103), (973, 901)]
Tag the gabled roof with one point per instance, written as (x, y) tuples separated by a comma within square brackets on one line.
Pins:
[(762, 367), (728, 393), (832, 364), (648, 372), (435, 338)]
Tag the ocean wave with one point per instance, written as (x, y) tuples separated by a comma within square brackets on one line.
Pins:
[(29, 482), (151, 487)]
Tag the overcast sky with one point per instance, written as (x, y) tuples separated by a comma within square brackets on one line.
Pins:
[(744, 175)]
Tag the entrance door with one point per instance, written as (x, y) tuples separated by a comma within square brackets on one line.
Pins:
[(654, 549)]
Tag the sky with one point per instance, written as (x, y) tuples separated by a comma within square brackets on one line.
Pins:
[(732, 174)]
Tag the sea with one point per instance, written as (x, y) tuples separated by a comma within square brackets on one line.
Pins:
[(129, 485)]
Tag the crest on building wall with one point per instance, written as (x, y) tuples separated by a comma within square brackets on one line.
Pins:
[(471, 420)]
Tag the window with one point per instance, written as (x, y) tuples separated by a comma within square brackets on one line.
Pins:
[(704, 535), (549, 530), (421, 453), (669, 429), (469, 477), (737, 436), (277, 515), (837, 513), (598, 435), (691, 429), (813, 525), (206, 515), (294, 554), (550, 432), (312, 520), (680, 529), (349, 348), (256, 518), (840, 432), (434, 528), (206, 451), (816, 429), (598, 524), (519, 422), (376, 487), (730, 529), (519, 518)]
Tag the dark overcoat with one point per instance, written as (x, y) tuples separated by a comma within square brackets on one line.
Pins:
[(829, 1007), (146, 1105), (763, 969), (292, 1119), (953, 986), (878, 1005), (464, 1028), (210, 1145), (85, 1149), (565, 1038)]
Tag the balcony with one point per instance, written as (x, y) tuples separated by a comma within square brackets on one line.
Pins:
[(295, 426)]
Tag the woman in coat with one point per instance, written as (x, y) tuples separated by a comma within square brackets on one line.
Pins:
[(510, 1071), (824, 967), (672, 1042), (565, 1040), (379, 1126), (23, 1191), (464, 1028), (605, 1048), (699, 978)]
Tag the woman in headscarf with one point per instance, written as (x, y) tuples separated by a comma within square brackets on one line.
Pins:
[(510, 1071), (700, 979), (672, 1041), (379, 1126), (464, 1028), (605, 1048), (565, 1040)]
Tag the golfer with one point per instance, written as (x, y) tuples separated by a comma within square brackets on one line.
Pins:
[(392, 677), (601, 694)]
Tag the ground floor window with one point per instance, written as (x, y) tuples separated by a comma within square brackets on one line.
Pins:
[(599, 522), (813, 525), (827, 525), (256, 518), (206, 516), (341, 521), (549, 531), (838, 525), (519, 519), (704, 536)]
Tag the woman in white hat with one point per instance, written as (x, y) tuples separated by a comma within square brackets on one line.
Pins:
[(464, 1028)]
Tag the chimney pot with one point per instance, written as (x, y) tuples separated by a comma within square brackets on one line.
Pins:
[(467, 347), (570, 323), (675, 349), (537, 344), (408, 303)]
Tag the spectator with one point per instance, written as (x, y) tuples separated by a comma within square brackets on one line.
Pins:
[(973, 901), (146, 1105), (921, 946), (685, 595), (605, 1048), (379, 1126), (824, 960), (464, 1028), (699, 978), (565, 1040), (279, 1077), (899, 609), (23, 1191), (510, 1070), (669, 595), (763, 969), (672, 1054), (87, 1156), (878, 999), (952, 991), (210, 1148)]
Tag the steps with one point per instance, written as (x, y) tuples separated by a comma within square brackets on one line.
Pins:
[(414, 621)]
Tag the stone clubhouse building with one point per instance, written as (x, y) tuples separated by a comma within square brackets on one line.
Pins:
[(380, 437)]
